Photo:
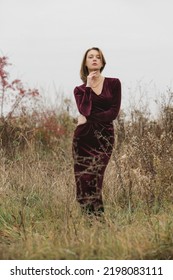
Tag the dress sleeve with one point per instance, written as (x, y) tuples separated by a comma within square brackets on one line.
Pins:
[(110, 114), (83, 100)]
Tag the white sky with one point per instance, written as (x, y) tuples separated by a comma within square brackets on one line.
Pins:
[(45, 41)]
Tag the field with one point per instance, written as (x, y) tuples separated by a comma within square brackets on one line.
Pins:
[(39, 216)]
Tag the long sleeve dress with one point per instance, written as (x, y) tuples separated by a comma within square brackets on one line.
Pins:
[(93, 141)]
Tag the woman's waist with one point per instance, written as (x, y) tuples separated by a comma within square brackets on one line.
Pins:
[(90, 126), (100, 123)]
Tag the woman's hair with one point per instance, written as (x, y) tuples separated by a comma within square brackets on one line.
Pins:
[(84, 70)]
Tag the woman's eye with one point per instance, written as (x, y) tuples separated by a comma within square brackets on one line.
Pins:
[(90, 57)]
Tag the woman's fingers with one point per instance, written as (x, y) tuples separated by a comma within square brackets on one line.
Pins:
[(81, 120)]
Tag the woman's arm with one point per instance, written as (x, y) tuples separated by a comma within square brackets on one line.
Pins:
[(83, 100)]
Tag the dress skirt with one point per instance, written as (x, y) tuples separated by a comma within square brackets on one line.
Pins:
[(92, 149)]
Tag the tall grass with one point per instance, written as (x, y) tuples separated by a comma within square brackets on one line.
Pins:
[(39, 216)]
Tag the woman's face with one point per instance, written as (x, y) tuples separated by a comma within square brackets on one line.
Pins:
[(93, 61)]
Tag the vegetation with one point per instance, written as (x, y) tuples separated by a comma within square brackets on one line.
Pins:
[(39, 217)]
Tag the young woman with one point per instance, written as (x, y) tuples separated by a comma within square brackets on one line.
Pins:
[(98, 100)]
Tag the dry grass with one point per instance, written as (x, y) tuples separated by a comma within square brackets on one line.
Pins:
[(39, 217)]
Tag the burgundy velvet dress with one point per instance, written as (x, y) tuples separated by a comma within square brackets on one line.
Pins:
[(93, 141)]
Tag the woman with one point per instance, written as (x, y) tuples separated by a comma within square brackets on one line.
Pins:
[(98, 100)]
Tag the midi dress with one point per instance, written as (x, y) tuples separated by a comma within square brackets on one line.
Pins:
[(93, 141)]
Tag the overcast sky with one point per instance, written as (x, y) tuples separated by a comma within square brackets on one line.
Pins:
[(45, 41)]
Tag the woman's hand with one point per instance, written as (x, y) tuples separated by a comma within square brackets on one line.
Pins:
[(92, 77), (81, 120)]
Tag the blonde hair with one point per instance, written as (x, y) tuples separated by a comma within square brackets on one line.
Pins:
[(84, 70)]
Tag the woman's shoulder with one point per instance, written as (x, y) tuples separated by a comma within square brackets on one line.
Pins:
[(112, 80), (80, 88), (114, 85)]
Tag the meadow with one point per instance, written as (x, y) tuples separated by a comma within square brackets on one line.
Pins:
[(39, 216)]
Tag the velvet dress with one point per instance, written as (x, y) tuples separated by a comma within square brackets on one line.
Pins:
[(93, 141)]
